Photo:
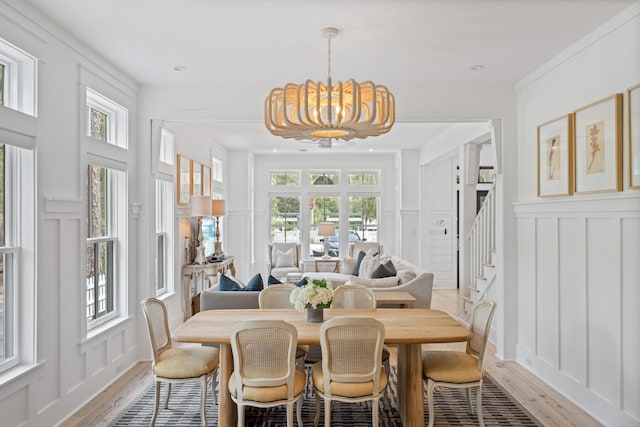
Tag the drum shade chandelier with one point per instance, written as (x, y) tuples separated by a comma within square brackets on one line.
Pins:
[(318, 111)]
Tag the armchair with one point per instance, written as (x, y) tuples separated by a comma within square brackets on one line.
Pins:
[(283, 258)]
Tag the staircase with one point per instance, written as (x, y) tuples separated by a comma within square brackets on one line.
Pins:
[(482, 243)]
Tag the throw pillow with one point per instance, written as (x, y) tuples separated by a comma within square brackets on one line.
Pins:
[(368, 264), (391, 267), (255, 284), (382, 271), (284, 259), (406, 275), (356, 269), (302, 282), (273, 281), (229, 283), (386, 282)]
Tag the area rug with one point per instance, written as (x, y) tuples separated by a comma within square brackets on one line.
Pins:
[(451, 409)]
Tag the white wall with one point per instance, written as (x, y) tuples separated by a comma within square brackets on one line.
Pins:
[(69, 368), (578, 270)]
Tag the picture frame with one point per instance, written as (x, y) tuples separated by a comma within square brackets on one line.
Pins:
[(183, 167), (555, 157), (196, 178), (206, 180), (633, 127), (598, 146)]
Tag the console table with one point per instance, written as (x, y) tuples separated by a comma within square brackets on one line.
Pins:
[(207, 272)]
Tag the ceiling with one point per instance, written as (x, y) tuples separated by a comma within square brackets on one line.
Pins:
[(256, 45)]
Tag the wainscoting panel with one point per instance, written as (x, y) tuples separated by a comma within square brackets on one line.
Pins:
[(572, 293), (630, 259), (579, 298)]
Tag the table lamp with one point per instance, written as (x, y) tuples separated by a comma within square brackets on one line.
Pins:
[(217, 210), (200, 208), (326, 229)]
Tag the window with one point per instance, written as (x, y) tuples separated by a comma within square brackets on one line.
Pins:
[(166, 147), (285, 178), (16, 275), (105, 242), (285, 219), (216, 170), (164, 235), (106, 120), (363, 217), (18, 72), (324, 178), (324, 209), (363, 178)]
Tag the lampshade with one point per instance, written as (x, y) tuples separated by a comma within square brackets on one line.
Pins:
[(322, 112), (326, 229), (217, 207), (200, 205)]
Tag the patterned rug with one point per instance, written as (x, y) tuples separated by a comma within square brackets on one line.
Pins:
[(451, 409)]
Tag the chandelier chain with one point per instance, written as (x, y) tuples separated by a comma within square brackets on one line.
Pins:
[(329, 57)]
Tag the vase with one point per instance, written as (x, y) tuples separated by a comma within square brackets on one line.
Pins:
[(315, 315)]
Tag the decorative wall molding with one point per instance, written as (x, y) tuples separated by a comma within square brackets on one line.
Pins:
[(627, 203), (61, 205)]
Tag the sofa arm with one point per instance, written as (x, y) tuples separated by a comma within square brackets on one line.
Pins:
[(421, 288)]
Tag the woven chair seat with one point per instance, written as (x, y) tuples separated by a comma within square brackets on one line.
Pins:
[(345, 389), (269, 394), (450, 366), (186, 362)]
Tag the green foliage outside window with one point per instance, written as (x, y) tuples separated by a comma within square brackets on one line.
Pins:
[(363, 178), (285, 178)]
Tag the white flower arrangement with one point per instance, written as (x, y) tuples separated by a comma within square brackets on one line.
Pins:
[(314, 294)]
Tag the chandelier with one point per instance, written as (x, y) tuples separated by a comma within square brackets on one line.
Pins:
[(319, 111)]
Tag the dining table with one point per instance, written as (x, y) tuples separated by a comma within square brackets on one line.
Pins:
[(406, 328)]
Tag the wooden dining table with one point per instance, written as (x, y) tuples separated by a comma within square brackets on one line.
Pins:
[(407, 328)]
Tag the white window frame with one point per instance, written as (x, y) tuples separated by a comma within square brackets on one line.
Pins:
[(165, 195), (116, 233), (19, 245), (20, 78), (287, 195), (167, 147), (360, 172), (117, 119), (298, 173), (217, 172)]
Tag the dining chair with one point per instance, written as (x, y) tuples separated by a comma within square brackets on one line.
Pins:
[(277, 296), (351, 366), (177, 364), (360, 296), (461, 369), (264, 369)]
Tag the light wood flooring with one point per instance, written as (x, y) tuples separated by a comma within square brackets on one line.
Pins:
[(547, 405)]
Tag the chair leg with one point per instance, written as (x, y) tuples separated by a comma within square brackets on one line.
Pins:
[(387, 368), (480, 420), (430, 387), (240, 415), (299, 410), (290, 414), (470, 400), (203, 400), (327, 413), (214, 374), (316, 418), (375, 415), (155, 407), (166, 400)]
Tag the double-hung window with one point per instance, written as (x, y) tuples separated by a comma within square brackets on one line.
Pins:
[(164, 235), (106, 130)]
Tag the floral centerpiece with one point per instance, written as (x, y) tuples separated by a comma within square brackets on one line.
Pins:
[(314, 296)]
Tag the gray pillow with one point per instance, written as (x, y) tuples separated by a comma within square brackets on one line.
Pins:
[(382, 271), (356, 269)]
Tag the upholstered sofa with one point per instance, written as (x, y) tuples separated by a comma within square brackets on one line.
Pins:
[(215, 299)]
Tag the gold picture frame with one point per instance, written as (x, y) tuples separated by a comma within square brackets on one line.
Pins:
[(183, 167), (555, 157), (597, 131), (633, 126), (196, 178)]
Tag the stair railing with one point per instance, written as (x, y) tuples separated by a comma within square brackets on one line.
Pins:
[(482, 236)]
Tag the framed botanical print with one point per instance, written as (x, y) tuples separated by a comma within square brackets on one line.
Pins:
[(555, 157), (633, 124), (206, 180), (184, 180), (196, 178), (598, 146)]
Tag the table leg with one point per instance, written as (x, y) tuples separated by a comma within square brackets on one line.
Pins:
[(186, 295), (410, 394), (227, 413)]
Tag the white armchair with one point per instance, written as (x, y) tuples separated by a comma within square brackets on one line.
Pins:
[(283, 258)]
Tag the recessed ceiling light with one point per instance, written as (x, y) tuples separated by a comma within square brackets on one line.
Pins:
[(179, 68), (478, 67), (275, 150), (370, 149)]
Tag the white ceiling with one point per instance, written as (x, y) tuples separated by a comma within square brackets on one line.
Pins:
[(264, 44)]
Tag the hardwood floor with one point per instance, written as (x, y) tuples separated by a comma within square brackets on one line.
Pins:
[(547, 405)]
